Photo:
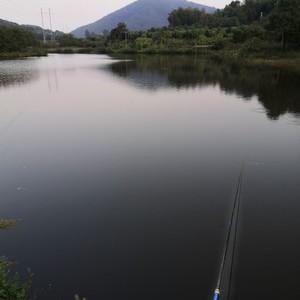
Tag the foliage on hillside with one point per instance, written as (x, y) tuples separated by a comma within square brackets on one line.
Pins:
[(14, 38), (23, 40), (252, 28)]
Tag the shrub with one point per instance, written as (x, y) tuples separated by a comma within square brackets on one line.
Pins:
[(240, 34), (11, 287)]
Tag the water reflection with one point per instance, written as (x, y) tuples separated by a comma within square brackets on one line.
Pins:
[(140, 183), (17, 72), (277, 90)]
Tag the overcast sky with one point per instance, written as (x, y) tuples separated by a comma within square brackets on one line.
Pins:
[(68, 14)]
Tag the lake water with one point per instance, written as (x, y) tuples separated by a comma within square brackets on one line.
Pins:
[(123, 170)]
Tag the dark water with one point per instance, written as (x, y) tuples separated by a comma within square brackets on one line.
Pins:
[(123, 173)]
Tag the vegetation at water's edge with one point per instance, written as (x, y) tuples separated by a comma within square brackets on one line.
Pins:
[(11, 287), (26, 53), (253, 29), (13, 39), (18, 42)]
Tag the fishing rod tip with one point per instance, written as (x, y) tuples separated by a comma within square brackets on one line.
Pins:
[(216, 294)]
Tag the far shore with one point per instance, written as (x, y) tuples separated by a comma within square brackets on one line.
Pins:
[(23, 54), (289, 60)]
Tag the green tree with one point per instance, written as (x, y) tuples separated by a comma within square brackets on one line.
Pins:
[(240, 34), (285, 19), (143, 43), (189, 17), (235, 10), (67, 40), (119, 33), (254, 9), (14, 38)]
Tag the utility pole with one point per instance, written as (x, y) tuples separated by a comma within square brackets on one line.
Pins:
[(126, 34), (51, 33), (44, 35)]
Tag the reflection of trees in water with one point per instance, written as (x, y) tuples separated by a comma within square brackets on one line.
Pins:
[(277, 90), (12, 74), (142, 74)]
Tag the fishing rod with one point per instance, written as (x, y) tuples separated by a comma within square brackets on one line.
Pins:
[(235, 206), (234, 240)]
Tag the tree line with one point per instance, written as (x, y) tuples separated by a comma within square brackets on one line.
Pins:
[(282, 17), (15, 39), (242, 28)]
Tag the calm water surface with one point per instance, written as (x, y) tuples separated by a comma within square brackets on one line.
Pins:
[(123, 171)]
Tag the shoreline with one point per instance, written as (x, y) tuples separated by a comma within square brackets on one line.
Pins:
[(288, 61), (26, 54), (291, 64)]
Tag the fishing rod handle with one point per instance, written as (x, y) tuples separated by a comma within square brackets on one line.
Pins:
[(216, 294)]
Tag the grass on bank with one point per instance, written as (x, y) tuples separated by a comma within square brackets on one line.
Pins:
[(292, 64), (11, 286), (23, 54), (289, 60)]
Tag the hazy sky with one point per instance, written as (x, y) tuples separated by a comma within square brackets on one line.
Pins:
[(68, 14)]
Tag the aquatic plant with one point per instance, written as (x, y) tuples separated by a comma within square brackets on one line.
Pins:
[(7, 224), (11, 287)]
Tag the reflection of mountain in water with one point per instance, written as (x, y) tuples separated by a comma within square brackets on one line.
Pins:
[(18, 72), (277, 90)]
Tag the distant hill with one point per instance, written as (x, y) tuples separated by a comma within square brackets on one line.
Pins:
[(36, 30), (7, 23), (140, 15)]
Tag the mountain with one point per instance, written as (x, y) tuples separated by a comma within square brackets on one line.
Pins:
[(140, 15), (7, 23), (36, 30)]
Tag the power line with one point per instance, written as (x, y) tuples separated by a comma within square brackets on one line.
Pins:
[(23, 14), (7, 11), (51, 32), (15, 15), (44, 35), (21, 8), (10, 9)]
